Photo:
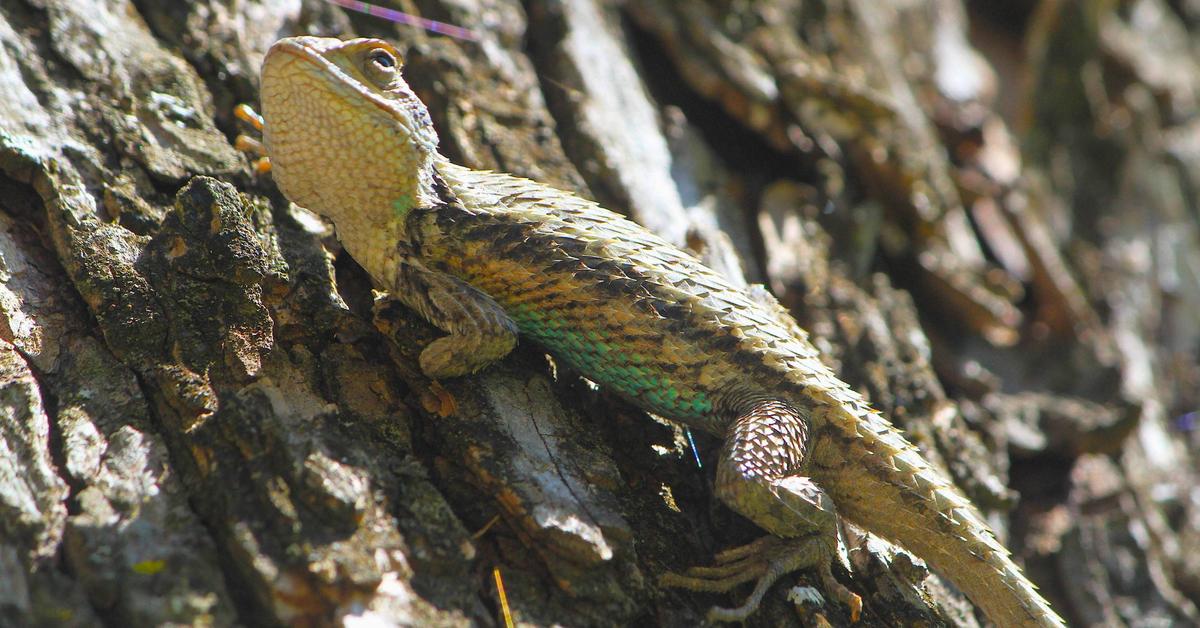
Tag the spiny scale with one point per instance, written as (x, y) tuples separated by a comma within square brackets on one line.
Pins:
[(618, 303)]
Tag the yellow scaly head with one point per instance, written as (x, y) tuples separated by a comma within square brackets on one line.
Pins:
[(347, 136)]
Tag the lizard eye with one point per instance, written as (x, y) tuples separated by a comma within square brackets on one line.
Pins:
[(380, 67), (382, 59)]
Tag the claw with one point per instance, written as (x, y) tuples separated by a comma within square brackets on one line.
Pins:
[(839, 591), (252, 146), (765, 561), (247, 114)]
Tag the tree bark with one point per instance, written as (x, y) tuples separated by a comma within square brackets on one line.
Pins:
[(986, 218)]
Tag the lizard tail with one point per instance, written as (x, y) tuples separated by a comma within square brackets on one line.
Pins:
[(884, 485)]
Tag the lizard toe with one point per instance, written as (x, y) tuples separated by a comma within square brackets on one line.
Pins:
[(764, 562), (437, 400)]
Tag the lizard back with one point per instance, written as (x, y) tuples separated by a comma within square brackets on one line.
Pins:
[(687, 343)]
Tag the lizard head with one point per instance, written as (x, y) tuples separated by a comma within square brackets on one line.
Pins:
[(347, 136)]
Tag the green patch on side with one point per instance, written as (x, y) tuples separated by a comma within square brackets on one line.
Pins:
[(601, 360), (402, 204)]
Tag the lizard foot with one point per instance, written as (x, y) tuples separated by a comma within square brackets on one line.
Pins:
[(437, 400), (252, 146), (765, 560)]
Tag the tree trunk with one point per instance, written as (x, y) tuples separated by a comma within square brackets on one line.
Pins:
[(985, 217)]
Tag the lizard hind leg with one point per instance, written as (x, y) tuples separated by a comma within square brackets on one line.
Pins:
[(758, 476)]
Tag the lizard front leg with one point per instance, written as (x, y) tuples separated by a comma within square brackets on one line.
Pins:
[(758, 476), (480, 332)]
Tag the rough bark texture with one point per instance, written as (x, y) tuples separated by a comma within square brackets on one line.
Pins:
[(988, 218)]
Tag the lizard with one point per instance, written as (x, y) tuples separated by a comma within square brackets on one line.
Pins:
[(489, 257)]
